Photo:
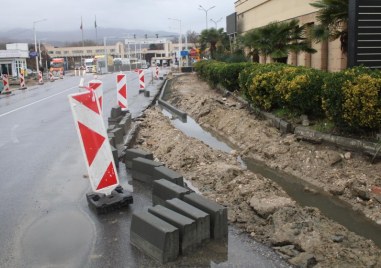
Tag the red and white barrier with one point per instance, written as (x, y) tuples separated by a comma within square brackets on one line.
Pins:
[(40, 79), (61, 74), (6, 89), (121, 87), (22, 80), (157, 72), (94, 142), (97, 86), (142, 85), (51, 77)]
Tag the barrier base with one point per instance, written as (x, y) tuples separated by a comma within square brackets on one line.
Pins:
[(22, 88), (6, 92), (141, 91), (101, 203), (146, 93)]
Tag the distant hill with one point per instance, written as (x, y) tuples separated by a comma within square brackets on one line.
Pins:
[(24, 35)]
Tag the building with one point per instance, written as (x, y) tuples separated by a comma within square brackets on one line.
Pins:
[(13, 59), (251, 14)]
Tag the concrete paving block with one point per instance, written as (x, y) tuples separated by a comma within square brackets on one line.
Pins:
[(116, 111), (111, 139), (163, 190), (155, 237), (134, 153), (114, 121), (125, 123), (110, 128), (168, 174), (118, 134), (218, 214), (187, 227), (115, 156), (102, 203), (202, 219), (142, 169)]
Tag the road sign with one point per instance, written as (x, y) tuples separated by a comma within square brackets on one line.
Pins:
[(121, 87), (184, 53), (94, 142)]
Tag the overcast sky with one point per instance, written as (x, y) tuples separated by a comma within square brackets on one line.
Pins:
[(129, 14)]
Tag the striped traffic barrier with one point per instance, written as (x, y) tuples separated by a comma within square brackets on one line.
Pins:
[(157, 73), (97, 86), (94, 142), (22, 80), (121, 87), (61, 74), (40, 79), (142, 85), (6, 89), (51, 77)]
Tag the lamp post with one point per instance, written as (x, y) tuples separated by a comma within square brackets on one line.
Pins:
[(180, 39), (35, 40), (200, 7), (216, 21)]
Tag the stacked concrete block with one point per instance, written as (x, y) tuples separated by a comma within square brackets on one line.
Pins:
[(218, 214), (125, 123), (135, 153), (163, 190), (118, 135), (116, 111), (111, 139), (142, 169), (202, 219), (187, 227), (155, 237), (168, 174)]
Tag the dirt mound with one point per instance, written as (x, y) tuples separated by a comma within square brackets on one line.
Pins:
[(257, 205)]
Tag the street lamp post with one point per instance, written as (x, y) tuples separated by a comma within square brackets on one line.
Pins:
[(216, 21), (200, 7), (35, 40), (180, 39)]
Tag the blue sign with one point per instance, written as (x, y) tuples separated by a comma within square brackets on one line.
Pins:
[(32, 54), (184, 53)]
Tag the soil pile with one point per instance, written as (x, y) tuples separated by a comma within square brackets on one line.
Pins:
[(255, 204)]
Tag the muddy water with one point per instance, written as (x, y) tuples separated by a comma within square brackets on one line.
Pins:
[(301, 192)]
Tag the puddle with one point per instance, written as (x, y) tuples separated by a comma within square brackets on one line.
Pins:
[(330, 206)]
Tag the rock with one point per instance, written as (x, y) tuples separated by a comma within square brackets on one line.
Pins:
[(361, 192), (305, 121), (304, 260), (337, 238), (376, 190), (334, 159), (233, 153), (268, 205), (347, 155), (288, 250)]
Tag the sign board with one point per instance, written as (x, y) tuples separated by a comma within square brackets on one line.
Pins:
[(364, 33), (184, 53), (33, 54)]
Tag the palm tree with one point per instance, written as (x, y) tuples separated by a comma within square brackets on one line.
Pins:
[(278, 39), (333, 19), (210, 38)]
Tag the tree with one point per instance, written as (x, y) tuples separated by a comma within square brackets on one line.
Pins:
[(277, 40), (333, 19), (192, 37), (209, 38)]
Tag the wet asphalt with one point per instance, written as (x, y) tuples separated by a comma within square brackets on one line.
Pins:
[(44, 217)]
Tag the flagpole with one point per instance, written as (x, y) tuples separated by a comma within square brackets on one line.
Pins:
[(96, 30), (83, 43)]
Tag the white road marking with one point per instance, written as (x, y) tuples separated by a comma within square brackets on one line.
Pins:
[(32, 103)]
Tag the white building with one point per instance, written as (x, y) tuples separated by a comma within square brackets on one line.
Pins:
[(13, 59)]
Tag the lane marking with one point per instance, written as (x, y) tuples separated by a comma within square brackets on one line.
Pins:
[(32, 103)]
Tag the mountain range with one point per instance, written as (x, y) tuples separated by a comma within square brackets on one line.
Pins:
[(57, 38)]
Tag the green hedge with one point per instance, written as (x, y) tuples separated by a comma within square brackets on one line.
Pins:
[(350, 98)]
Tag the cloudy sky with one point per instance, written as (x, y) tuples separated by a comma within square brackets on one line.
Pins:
[(129, 14)]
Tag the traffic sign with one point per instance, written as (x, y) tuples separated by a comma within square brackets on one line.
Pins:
[(184, 53)]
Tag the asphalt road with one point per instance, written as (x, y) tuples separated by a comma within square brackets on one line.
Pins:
[(44, 217)]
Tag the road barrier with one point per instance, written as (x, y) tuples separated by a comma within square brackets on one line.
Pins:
[(97, 87), (6, 88), (40, 78), (142, 85), (157, 73), (121, 88), (94, 143), (51, 77), (22, 80), (61, 74)]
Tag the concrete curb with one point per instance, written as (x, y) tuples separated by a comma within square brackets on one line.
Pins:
[(163, 190), (142, 169), (155, 237), (171, 108), (130, 154), (168, 174)]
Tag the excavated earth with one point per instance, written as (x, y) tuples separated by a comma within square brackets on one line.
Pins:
[(257, 205)]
